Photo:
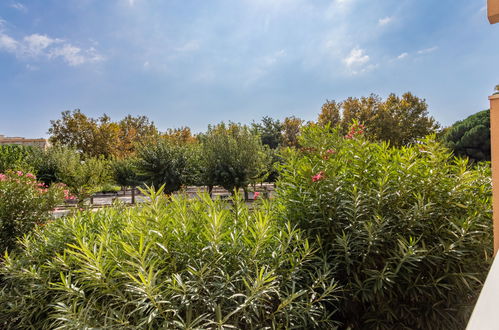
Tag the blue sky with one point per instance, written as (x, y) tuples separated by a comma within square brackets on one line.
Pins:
[(192, 63)]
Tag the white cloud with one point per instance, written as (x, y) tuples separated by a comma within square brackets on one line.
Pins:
[(7, 43), (385, 21), (357, 57), (19, 6), (35, 44), (402, 56), (74, 55), (427, 50), (38, 46)]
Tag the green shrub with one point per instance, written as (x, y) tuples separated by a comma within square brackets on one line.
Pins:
[(182, 264), (14, 157), (407, 230), (24, 203), (51, 165)]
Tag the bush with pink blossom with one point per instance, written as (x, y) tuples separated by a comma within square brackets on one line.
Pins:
[(24, 203)]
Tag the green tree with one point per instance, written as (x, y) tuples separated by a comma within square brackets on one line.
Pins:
[(164, 163), (470, 137), (51, 164), (233, 156), (84, 177), (270, 131)]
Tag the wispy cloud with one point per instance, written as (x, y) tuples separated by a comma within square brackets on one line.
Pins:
[(427, 50), (402, 56), (74, 55), (19, 6), (385, 21), (39, 46)]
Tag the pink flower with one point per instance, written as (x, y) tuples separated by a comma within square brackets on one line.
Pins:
[(3, 177), (30, 175), (330, 151), (256, 194), (318, 176), (19, 173)]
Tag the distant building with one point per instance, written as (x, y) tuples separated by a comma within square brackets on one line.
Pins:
[(41, 143)]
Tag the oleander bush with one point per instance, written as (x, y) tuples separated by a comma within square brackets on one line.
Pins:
[(407, 230), (173, 263), (24, 203)]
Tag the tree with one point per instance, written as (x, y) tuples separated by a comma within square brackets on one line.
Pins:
[(164, 163), (398, 120), (84, 177), (181, 135), (291, 131), (470, 137), (50, 165), (405, 120), (270, 131), (233, 156), (101, 137), (330, 114), (74, 130), (133, 131)]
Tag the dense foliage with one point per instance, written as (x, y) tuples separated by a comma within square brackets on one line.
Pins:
[(24, 203), (407, 230), (101, 136), (184, 264), (164, 163), (233, 157), (398, 120), (15, 157), (470, 137)]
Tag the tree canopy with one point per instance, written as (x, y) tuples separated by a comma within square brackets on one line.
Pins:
[(101, 137), (398, 120), (470, 137), (233, 156)]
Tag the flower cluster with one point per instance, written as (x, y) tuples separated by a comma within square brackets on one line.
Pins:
[(355, 129), (319, 176), (67, 195)]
